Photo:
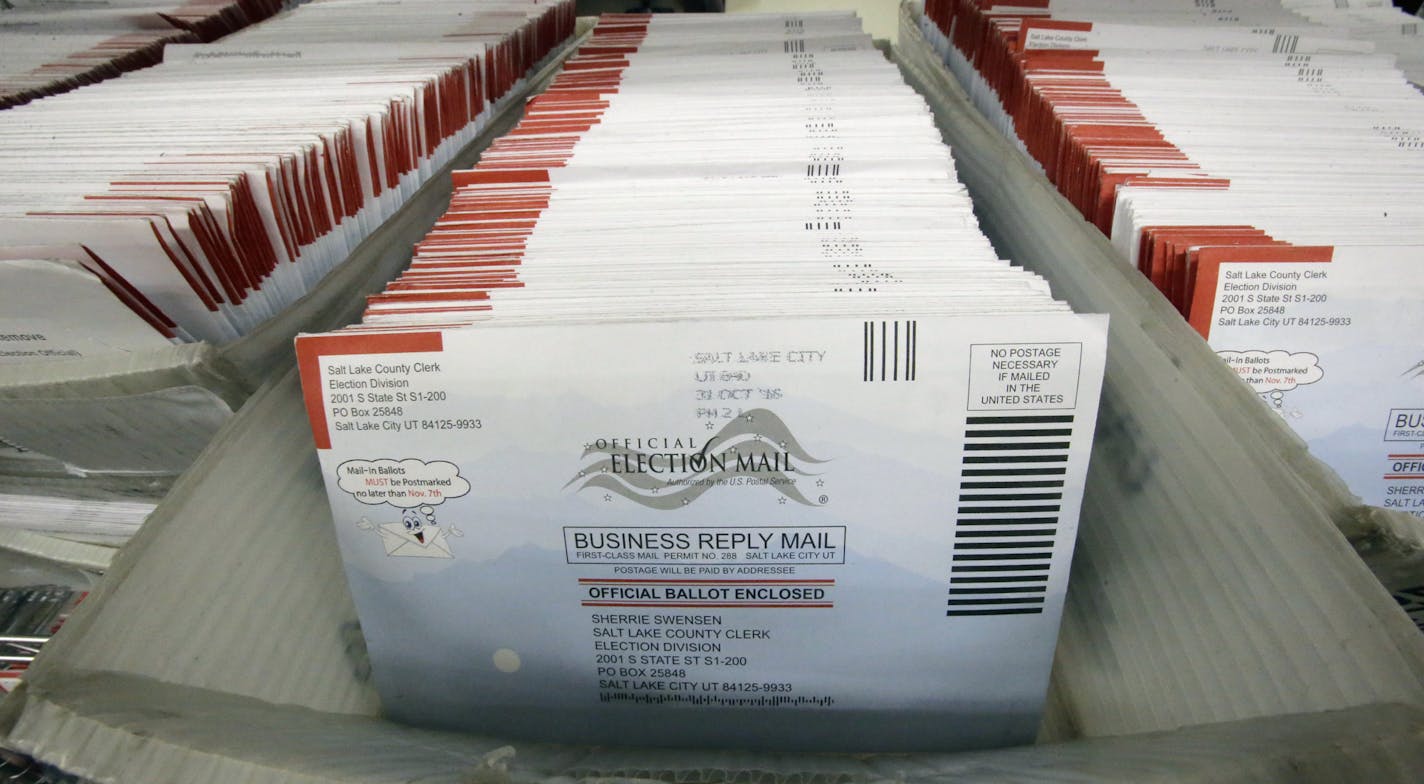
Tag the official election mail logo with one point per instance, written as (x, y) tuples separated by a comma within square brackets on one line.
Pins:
[(756, 449)]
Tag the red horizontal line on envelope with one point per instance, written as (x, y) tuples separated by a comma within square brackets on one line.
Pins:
[(701, 605), (598, 581)]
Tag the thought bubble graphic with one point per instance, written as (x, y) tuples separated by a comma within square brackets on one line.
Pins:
[(401, 483), (1274, 371)]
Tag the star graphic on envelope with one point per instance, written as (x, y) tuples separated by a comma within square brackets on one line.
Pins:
[(417, 535)]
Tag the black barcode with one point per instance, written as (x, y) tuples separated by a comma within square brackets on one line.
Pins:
[(1285, 44), (1006, 519), (823, 170), (889, 350), (794, 46)]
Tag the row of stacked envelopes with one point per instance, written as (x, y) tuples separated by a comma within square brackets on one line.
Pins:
[(687, 377), (48, 47), (205, 195), (152, 221), (1259, 162), (708, 359), (710, 363)]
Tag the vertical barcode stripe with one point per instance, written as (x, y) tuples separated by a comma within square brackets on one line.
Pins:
[(864, 351), (909, 348), (895, 360), (883, 350)]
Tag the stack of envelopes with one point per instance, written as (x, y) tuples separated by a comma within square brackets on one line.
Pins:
[(710, 362), (1262, 169)]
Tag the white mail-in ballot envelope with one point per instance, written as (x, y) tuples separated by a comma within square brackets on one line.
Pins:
[(801, 533)]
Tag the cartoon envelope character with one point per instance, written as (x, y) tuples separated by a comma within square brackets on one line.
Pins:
[(429, 544), (416, 536)]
